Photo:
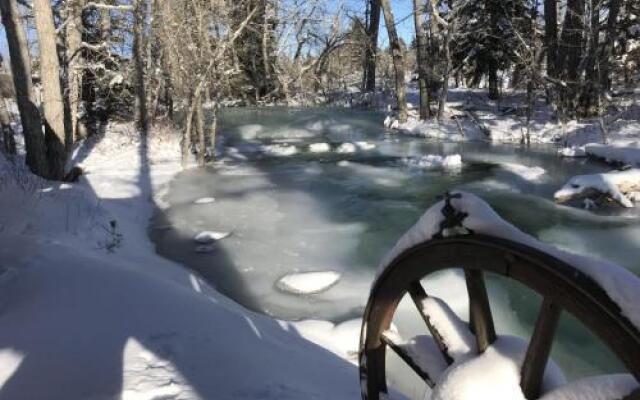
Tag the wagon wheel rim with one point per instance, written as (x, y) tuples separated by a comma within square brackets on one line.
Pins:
[(563, 288)]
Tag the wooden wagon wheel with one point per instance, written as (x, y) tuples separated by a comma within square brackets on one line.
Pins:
[(562, 287)]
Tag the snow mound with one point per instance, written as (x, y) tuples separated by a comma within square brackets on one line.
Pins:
[(319, 147), (455, 332), (495, 374), (612, 184), (204, 200), (432, 161), (527, 173), (308, 282), (622, 286), (625, 153), (574, 151), (346, 148), (208, 237)]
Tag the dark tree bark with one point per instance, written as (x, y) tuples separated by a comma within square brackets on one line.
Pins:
[(56, 139), (8, 140), (607, 51), (551, 43), (202, 144), (570, 52), (21, 68), (398, 59), (372, 48), (421, 52)]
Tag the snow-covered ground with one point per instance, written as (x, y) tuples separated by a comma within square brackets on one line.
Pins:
[(89, 311), (469, 112)]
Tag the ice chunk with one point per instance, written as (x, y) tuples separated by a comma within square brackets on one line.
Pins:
[(319, 147), (204, 200), (208, 237), (280, 150), (575, 151), (365, 146), (434, 161), (346, 148), (308, 282), (527, 173)]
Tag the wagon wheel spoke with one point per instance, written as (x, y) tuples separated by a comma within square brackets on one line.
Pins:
[(418, 295), (480, 318), (394, 342), (535, 360)]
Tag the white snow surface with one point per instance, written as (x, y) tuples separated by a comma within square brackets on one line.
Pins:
[(573, 151), (495, 374), (308, 282), (608, 183), (92, 313), (280, 150), (622, 286), (455, 333), (620, 152)]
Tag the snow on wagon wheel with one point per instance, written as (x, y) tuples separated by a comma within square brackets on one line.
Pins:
[(454, 353)]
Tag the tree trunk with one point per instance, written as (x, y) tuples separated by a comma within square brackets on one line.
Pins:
[(447, 70), (494, 90), (202, 143), (142, 114), (372, 48), (590, 97), (421, 52), (398, 59), (74, 72), (21, 71), (570, 52), (186, 137), (213, 130), (56, 139), (607, 51), (551, 35), (9, 142)]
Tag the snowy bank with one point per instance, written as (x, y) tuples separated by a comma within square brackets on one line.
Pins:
[(434, 161), (90, 311), (620, 187)]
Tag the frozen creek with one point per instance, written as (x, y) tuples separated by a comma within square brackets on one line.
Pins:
[(295, 201)]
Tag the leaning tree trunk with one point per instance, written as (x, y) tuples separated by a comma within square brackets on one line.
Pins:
[(21, 69), (142, 114), (372, 46), (442, 101), (398, 59), (57, 141), (186, 137), (421, 52)]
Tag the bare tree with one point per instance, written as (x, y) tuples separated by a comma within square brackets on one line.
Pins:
[(21, 69), (371, 50), (421, 53), (57, 142), (398, 60)]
